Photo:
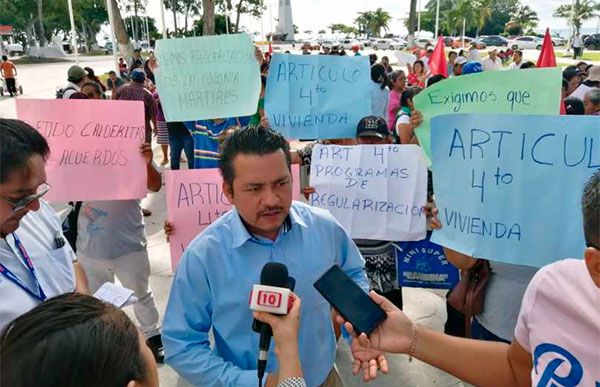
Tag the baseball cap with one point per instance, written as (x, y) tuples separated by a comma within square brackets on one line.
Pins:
[(472, 67), (138, 75), (75, 74), (594, 74), (460, 60), (372, 126)]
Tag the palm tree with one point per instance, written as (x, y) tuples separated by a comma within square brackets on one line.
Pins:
[(208, 17), (125, 46), (41, 22), (379, 19), (485, 13), (412, 22), (523, 18), (577, 13)]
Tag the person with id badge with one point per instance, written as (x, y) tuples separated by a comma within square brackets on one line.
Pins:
[(36, 263)]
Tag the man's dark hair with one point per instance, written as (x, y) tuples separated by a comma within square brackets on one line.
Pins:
[(72, 340), (250, 141), (527, 65), (574, 106), (4, 58), (408, 95), (95, 85), (520, 52), (372, 59), (112, 72), (435, 79), (569, 72), (590, 205), (18, 143)]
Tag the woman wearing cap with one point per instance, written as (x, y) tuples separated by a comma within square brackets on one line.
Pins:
[(592, 81)]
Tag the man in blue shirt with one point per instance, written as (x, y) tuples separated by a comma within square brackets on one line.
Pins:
[(217, 271)]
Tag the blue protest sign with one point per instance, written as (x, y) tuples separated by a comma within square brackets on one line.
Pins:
[(423, 264), (508, 187), (317, 96)]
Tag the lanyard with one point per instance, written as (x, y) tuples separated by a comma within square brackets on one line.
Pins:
[(40, 295)]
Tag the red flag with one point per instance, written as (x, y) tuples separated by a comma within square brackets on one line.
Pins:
[(270, 49), (437, 62), (547, 57)]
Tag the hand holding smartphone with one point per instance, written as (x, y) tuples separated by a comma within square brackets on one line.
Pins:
[(350, 300)]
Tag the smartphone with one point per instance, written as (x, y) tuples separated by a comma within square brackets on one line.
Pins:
[(350, 300)]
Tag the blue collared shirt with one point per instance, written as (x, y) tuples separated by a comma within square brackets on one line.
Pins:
[(212, 287)]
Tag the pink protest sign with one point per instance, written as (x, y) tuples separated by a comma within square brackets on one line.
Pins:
[(94, 147), (195, 199)]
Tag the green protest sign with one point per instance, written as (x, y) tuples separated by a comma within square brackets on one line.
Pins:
[(207, 77), (531, 91)]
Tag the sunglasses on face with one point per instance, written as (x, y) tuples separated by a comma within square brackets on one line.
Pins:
[(18, 205)]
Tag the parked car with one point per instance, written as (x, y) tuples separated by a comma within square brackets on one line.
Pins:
[(424, 42), (592, 42), (558, 41), (387, 44), (326, 43), (13, 49), (494, 40), (466, 41), (400, 42), (526, 43), (347, 44)]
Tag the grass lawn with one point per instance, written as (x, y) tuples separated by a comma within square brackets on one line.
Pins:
[(590, 55), (31, 60)]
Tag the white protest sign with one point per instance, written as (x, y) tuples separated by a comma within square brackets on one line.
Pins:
[(374, 191), (405, 58)]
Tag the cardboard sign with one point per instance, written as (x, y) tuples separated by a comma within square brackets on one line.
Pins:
[(508, 187), (207, 77), (531, 91), (317, 96), (374, 191), (94, 147)]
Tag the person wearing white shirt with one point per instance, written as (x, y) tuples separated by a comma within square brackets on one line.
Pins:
[(517, 60), (474, 54), (577, 46), (36, 262), (492, 62)]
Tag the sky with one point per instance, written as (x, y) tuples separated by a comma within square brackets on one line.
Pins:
[(318, 14)]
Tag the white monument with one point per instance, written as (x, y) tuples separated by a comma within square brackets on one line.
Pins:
[(285, 25)]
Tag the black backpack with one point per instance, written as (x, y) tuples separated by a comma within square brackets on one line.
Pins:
[(61, 92), (69, 226)]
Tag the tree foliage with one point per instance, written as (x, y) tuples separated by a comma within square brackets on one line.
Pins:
[(372, 22), (487, 17), (342, 28), (578, 12), (522, 19)]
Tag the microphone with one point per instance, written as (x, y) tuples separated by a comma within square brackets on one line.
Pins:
[(273, 296)]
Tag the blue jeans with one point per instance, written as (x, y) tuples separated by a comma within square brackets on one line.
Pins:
[(478, 332), (178, 141)]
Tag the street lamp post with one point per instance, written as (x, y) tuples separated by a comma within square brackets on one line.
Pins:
[(112, 34), (73, 32), (162, 18), (437, 18)]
